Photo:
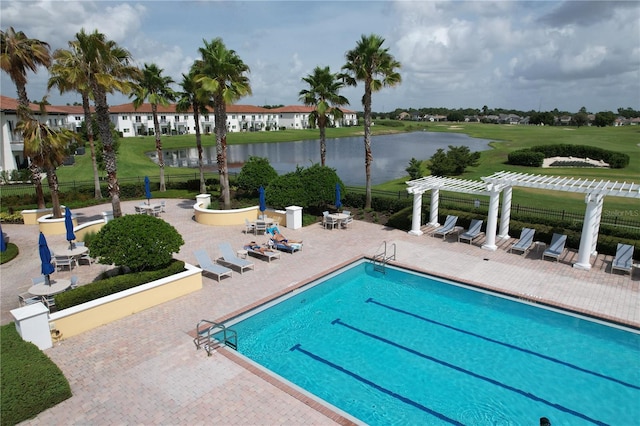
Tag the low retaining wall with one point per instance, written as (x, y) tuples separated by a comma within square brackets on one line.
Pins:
[(78, 319), (50, 226), (229, 217), (30, 217), (88, 228)]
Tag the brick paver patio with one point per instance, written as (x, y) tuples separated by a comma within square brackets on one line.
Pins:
[(144, 369)]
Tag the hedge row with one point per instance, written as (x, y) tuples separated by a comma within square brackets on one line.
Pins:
[(30, 382), (113, 285), (534, 156)]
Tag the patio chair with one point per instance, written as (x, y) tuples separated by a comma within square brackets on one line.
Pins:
[(556, 248), (268, 255), (230, 258), (448, 227), (328, 221), (623, 261), (49, 302), (248, 226), (207, 265), (348, 221), (163, 206), (65, 261), (523, 245), (157, 209), (260, 227), (474, 231), (140, 210), (38, 280), (74, 282), (25, 299)]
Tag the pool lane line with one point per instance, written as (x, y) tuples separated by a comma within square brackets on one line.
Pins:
[(529, 395), (507, 345), (298, 348)]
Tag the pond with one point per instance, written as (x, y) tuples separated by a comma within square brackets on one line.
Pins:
[(391, 154)]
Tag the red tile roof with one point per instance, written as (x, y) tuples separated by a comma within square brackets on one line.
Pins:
[(11, 104)]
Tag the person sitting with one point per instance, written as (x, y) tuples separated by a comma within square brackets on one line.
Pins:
[(257, 247), (278, 238)]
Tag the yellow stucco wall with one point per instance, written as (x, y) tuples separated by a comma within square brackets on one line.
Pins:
[(88, 228), (50, 226), (30, 217), (89, 315), (225, 217)]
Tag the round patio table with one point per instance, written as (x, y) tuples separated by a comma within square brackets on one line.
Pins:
[(77, 251), (57, 286)]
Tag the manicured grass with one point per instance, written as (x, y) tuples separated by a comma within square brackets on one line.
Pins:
[(10, 253)]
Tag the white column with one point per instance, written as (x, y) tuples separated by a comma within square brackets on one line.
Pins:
[(596, 228), (417, 214), (505, 217), (492, 220), (591, 216), (435, 201)]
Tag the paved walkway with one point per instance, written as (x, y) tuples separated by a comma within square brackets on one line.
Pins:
[(144, 369)]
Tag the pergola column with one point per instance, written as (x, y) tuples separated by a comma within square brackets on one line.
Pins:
[(435, 201), (505, 216), (417, 214), (492, 219), (591, 219)]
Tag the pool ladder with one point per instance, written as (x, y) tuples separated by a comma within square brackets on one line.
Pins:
[(380, 260), (209, 342)]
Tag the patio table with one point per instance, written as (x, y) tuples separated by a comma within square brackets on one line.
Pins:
[(57, 286)]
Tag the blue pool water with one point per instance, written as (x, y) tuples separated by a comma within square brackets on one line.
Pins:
[(405, 349)]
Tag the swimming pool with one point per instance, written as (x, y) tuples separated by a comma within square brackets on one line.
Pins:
[(405, 348)]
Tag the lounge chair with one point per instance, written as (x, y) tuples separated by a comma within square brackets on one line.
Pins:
[(207, 265), (230, 258), (268, 255), (289, 247), (474, 231), (624, 258), (448, 227), (523, 245), (556, 247)]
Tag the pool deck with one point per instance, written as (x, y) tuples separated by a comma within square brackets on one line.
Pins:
[(144, 369)]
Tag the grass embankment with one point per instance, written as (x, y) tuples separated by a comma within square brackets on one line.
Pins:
[(133, 162)]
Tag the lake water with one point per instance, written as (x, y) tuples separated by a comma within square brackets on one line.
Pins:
[(391, 154)]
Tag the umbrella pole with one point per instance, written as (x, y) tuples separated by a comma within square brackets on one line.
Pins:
[(47, 280)]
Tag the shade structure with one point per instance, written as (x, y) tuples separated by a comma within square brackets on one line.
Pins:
[(147, 189), (263, 203), (68, 223), (45, 258), (338, 203), (3, 244)]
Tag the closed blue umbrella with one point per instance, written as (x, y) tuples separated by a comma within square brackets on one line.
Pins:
[(338, 203), (68, 223), (263, 203), (147, 189), (3, 244), (45, 257)]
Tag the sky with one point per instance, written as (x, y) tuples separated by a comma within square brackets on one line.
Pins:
[(534, 55)]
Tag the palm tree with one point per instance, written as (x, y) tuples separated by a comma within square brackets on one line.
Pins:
[(153, 86), (323, 94), (223, 76), (69, 72), (193, 97), (47, 149), (19, 53), (109, 70), (372, 64)]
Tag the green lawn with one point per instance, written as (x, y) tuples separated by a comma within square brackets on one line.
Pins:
[(133, 162)]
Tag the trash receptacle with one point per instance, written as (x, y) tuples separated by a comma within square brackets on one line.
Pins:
[(294, 217)]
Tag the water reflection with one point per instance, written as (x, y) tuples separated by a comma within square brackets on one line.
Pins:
[(391, 154)]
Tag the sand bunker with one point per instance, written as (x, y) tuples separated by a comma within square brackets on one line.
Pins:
[(567, 162)]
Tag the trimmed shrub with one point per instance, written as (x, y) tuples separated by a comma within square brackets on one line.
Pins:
[(523, 157), (113, 285), (526, 157), (140, 242), (29, 381), (256, 172), (313, 188)]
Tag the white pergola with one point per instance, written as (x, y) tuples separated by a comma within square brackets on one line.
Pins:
[(594, 190)]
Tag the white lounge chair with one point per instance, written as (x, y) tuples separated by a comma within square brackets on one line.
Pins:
[(207, 265), (556, 248), (474, 231), (268, 255), (230, 258), (523, 245), (448, 227), (624, 258)]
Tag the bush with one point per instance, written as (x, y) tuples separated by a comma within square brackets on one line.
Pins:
[(313, 188), (29, 381), (256, 172), (525, 157), (112, 285), (140, 242)]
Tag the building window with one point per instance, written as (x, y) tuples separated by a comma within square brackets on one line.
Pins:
[(149, 118), (176, 118), (205, 117), (138, 119), (125, 118), (78, 118), (233, 116), (125, 130), (163, 118), (186, 117)]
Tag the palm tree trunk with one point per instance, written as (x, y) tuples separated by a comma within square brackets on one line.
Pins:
[(52, 179), (104, 126), (368, 158), (221, 152), (97, 193), (196, 117), (36, 178), (156, 129), (323, 141)]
